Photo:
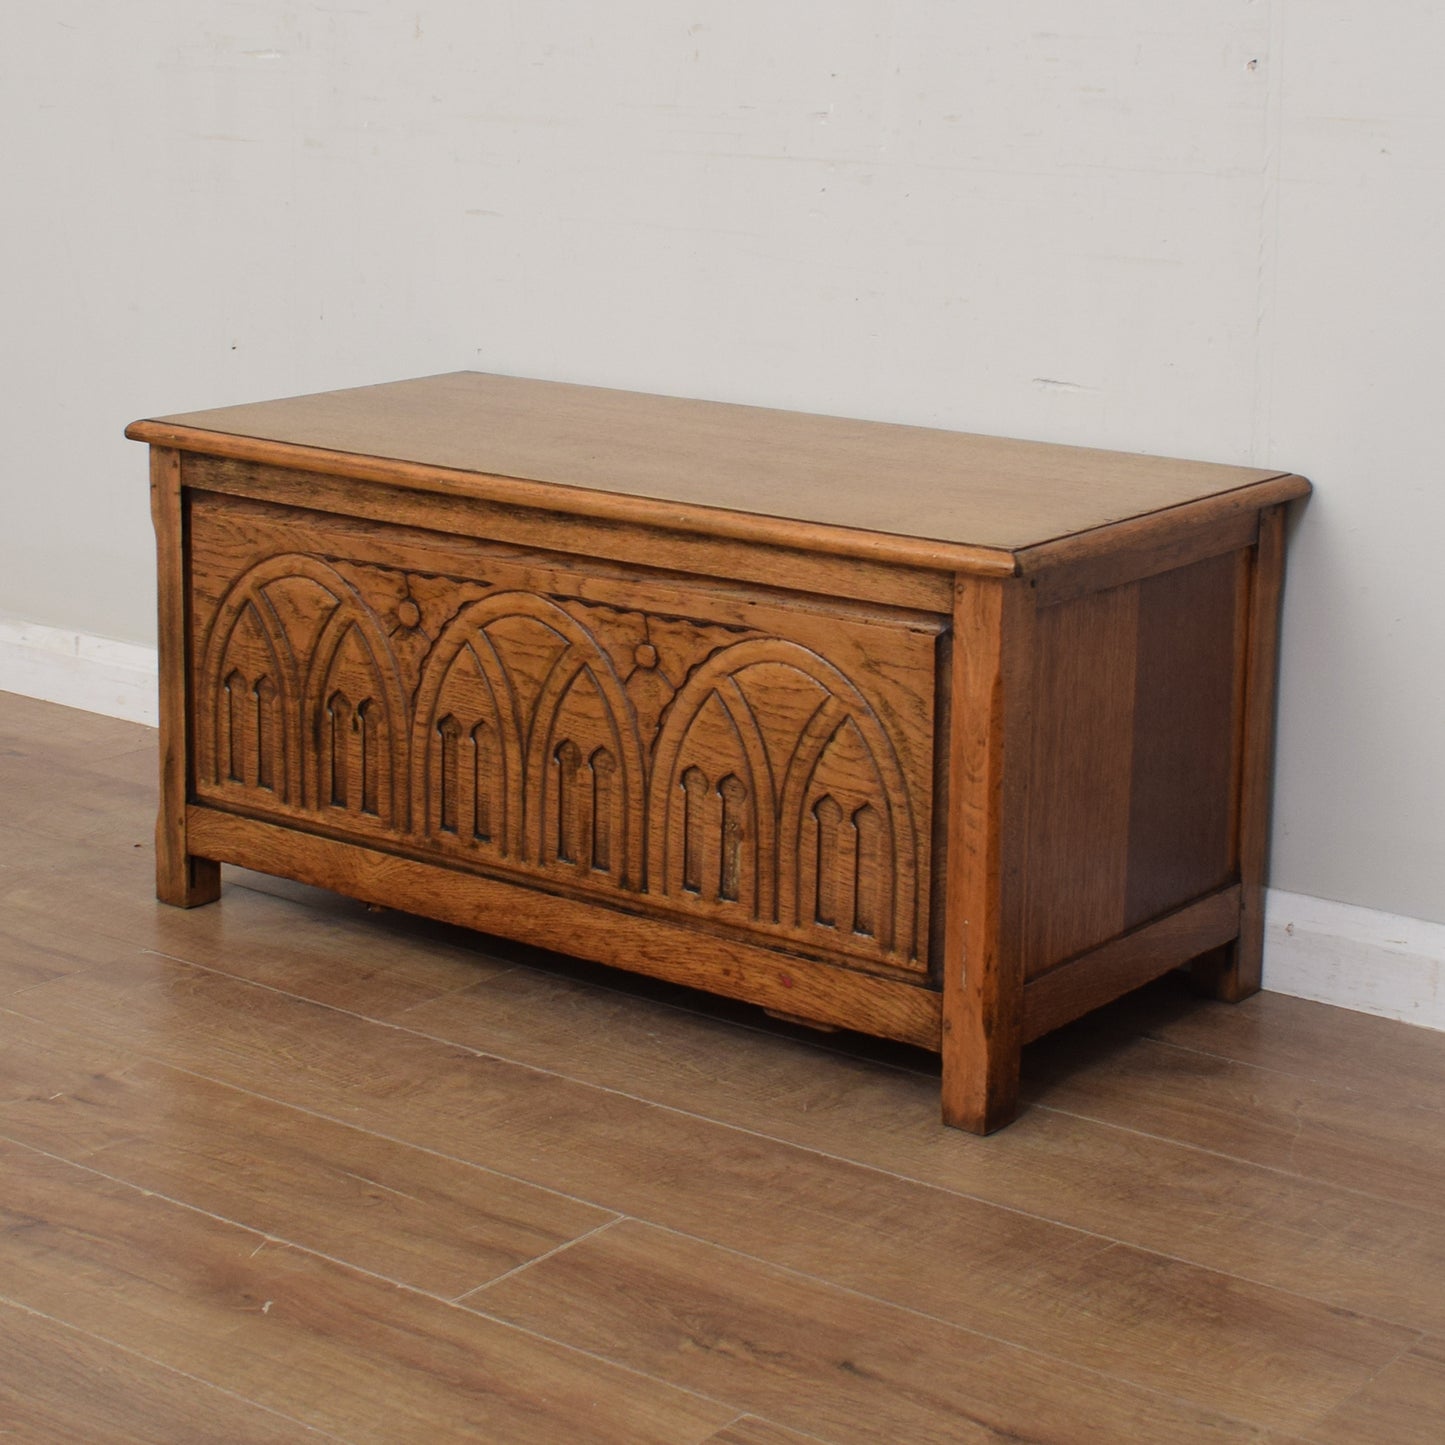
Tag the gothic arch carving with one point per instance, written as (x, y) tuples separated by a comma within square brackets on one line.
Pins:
[(829, 797), (354, 704), (273, 639), (580, 807)]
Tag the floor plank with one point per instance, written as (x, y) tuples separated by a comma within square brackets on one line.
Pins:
[(338, 952), (63, 1386), (31, 950), (405, 1213), (34, 733), (1255, 1220), (749, 1430), (1378, 1057), (1205, 1336), (1319, 1130), (305, 1336), (1403, 1405), (816, 1358)]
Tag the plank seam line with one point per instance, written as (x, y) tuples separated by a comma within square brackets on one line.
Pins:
[(538, 1259), (836, 1158), (1105, 1242), (786, 1143), (1013, 1344), (1374, 1375), (765, 1420), (267, 1237), (164, 1365), (1250, 1164), (288, 1104), (1363, 1092), (612, 1090)]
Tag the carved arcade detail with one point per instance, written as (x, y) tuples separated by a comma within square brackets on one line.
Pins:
[(708, 769)]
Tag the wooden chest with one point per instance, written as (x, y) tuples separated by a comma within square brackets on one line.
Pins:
[(944, 738)]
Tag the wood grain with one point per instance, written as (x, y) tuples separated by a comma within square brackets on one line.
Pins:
[(403, 1213), (63, 1385), (990, 716), (356, 493), (793, 984), (334, 1348), (1403, 1405), (1062, 571), (817, 1358), (1375, 1057), (1324, 1240), (1259, 1292), (1283, 1121), (1079, 776), (1104, 973), (30, 952), (749, 1430), (884, 480), (182, 879), (529, 718), (1140, 1316), (334, 950), (637, 655), (1183, 784), (1242, 969)]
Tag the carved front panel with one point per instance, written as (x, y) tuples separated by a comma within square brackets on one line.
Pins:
[(673, 745)]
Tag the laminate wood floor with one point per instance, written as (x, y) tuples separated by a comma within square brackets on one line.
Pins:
[(283, 1169)]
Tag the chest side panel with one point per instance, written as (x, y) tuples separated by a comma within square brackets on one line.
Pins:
[(751, 761)]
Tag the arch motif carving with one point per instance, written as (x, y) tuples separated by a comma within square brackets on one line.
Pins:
[(299, 702), (713, 769), (777, 790), (564, 779)]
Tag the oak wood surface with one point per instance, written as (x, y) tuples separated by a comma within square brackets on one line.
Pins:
[(856, 572), (707, 752), (781, 768), (1271, 1300), (1101, 974), (983, 962), (1077, 566), (1242, 970), (181, 879), (894, 481), (892, 1009), (1134, 779), (1080, 775), (1188, 685)]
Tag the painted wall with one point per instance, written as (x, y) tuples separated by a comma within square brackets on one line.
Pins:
[(1207, 228)]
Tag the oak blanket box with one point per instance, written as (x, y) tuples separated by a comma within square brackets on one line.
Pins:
[(944, 738)]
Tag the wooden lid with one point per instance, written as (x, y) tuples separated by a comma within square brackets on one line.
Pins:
[(686, 459)]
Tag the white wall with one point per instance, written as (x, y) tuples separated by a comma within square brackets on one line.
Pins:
[(1207, 228)]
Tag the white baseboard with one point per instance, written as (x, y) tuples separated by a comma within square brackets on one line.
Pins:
[(1334, 953), (1356, 958), (94, 674)]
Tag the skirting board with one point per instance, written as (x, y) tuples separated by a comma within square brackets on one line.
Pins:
[(94, 674), (1357, 958), (1334, 953)]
